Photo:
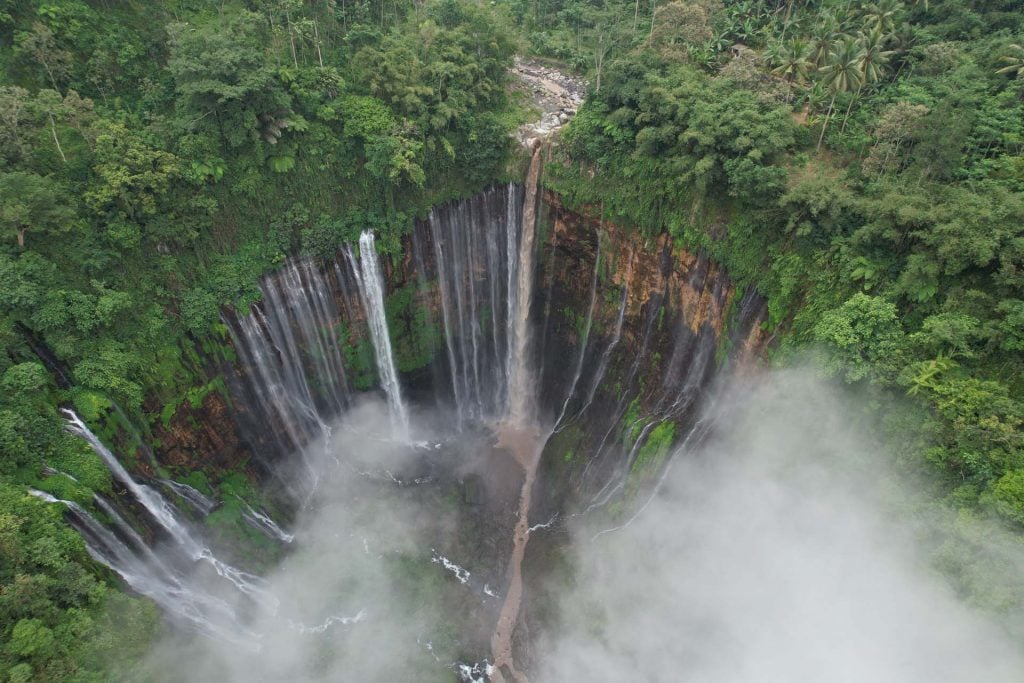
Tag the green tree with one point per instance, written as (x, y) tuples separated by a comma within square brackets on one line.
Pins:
[(1014, 61), (33, 203), (791, 60), (31, 638), (865, 338), (1007, 496), (882, 16), (40, 45), (220, 74), (132, 181), (871, 64)]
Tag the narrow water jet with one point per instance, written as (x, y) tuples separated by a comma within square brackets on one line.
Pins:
[(202, 503), (265, 524), (586, 337), (372, 290), (602, 365)]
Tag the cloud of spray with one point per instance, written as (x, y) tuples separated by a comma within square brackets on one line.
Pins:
[(773, 554), (361, 597), (778, 552)]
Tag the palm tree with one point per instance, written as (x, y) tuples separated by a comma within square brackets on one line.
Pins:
[(873, 60), (882, 15), (872, 63), (791, 60), (825, 35), (842, 74), (1014, 62)]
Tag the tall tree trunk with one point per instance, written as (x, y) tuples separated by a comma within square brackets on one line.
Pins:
[(49, 72), (316, 37), (785, 20), (824, 126), (846, 118), (53, 129), (291, 40)]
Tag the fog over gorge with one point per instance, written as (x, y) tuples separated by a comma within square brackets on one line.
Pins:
[(348, 610), (772, 552)]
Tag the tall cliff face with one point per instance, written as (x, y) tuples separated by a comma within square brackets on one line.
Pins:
[(627, 338), (628, 334), (634, 334)]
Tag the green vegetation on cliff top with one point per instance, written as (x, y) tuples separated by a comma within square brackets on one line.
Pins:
[(155, 160), (862, 164)]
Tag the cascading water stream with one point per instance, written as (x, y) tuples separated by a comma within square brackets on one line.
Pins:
[(294, 374), (586, 337), (371, 286), (164, 514), (264, 523), (475, 265), (520, 381), (602, 365), (203, 504), (145, 573), (159, 509), (519, 433)]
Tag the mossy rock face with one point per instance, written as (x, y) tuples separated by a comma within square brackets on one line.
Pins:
[(360, 367), (653, 452), (415, 335)]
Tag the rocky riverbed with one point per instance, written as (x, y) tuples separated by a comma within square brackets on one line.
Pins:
[(556, 94)]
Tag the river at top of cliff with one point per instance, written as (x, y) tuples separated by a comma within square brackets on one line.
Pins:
[(556, 94)]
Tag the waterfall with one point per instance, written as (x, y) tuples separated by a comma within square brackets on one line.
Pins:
[(166, 517), (265, 524), (159, 509), (203, 504), (146, 574), (472, 259), (520, 380), (602, 365), (586, 336), (483, 257), (480, 253), (371, 289), (292, 356)]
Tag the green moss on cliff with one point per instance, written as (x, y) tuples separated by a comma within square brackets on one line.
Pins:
[(415, 335)]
